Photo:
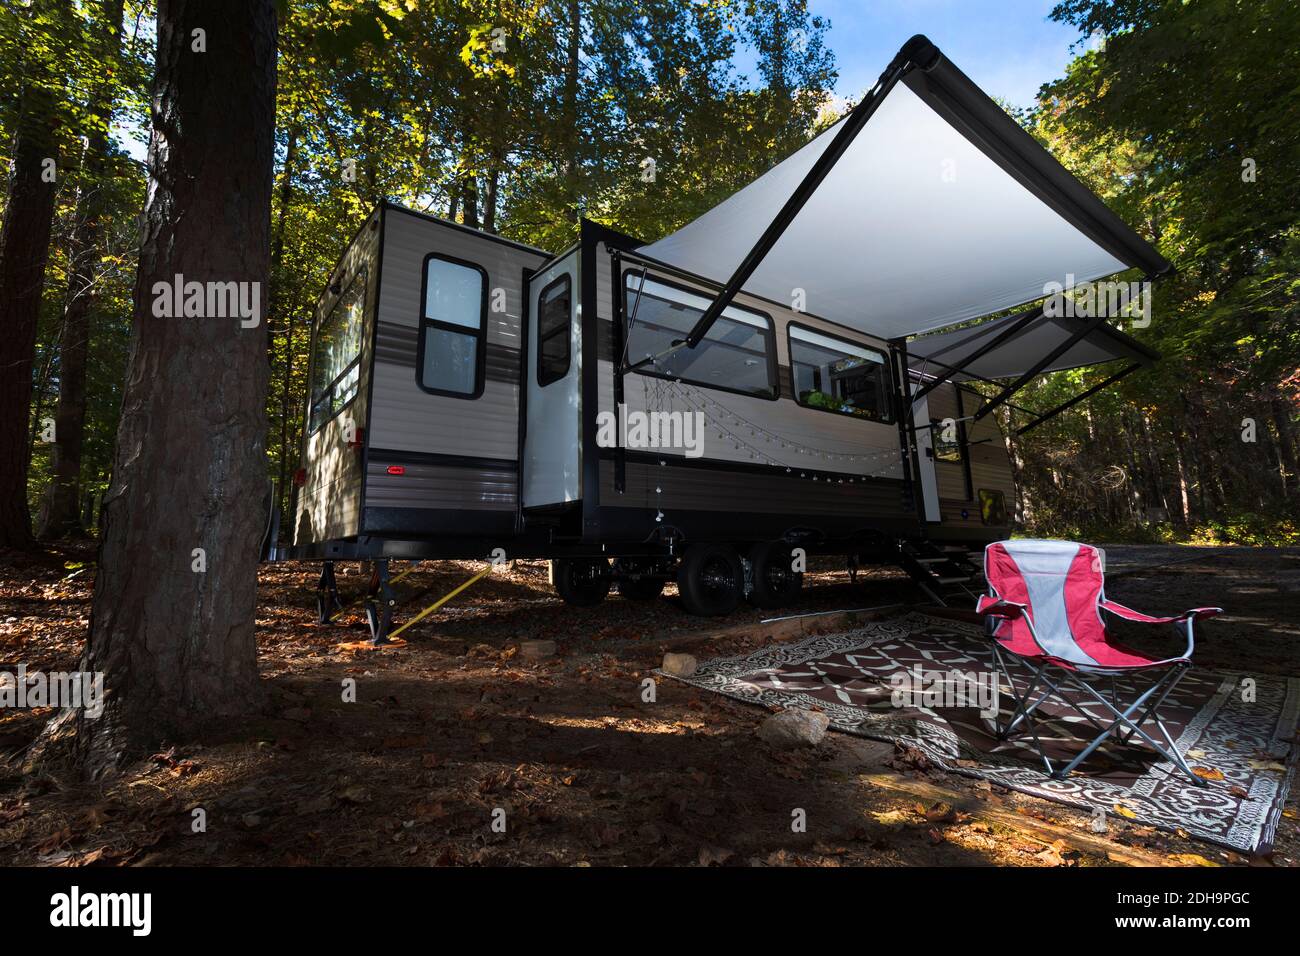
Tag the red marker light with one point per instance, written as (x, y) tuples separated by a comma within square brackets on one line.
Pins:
[(397, 469)]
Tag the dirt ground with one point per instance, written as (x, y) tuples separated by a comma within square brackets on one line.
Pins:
[(456, 727)]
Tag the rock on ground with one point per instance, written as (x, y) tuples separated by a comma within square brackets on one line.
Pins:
[(680, 665), (794, 728)]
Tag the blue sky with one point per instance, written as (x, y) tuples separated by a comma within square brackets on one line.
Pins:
[(1008, 47)]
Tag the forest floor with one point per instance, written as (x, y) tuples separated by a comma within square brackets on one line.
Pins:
[(456, 725)]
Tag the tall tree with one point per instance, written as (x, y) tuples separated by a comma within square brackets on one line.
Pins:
[(172, 618), (24, 249), (1183, 117), (61, 509)]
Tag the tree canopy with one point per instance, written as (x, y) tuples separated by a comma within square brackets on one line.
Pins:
[(521, 116)]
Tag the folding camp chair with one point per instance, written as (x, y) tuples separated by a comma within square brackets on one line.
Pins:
[(1043, 610)]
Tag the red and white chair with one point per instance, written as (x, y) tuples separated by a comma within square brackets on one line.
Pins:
[(1044, 610)]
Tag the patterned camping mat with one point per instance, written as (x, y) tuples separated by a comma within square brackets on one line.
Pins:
[(923, 681)]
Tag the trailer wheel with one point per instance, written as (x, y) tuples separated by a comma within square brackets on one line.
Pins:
[(775, 583), (580, 582), (637, 580), (711, 579)]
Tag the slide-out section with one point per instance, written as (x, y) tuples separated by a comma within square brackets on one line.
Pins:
[(327, 497), (443, 435)]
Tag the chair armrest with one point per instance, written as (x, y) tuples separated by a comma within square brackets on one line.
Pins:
[(997, 607), (1131, 615)]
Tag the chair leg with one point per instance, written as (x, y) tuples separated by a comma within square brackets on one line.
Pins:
[(1177, 757), (1172, 677), (1151, 708), (1024, 710)]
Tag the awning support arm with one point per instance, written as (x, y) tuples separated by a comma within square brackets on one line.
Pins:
[(917, 51), (980, 352), (978, 378), (1078, 398), (1047, 360), (676, 346)]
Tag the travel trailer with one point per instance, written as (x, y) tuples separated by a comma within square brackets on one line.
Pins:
[(795, 369)]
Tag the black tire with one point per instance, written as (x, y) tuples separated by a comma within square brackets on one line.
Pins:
[(644, 586), (775, 582), (580, 582), (711, 579)]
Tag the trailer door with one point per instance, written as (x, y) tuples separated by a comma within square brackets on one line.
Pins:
[(552, 373)]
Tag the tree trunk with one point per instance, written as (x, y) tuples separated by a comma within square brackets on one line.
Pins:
[(172, 628), (1184, 503), (469, 202), (277, 277), (40, 386), (490, 199), (572, 85), (61, 509), (1286, 450), (24, 250)]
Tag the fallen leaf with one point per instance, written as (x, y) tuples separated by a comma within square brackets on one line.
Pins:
[(890, 817), (355, 794), (939, 813), (1272, 765), (1054, 855), (97, 816)]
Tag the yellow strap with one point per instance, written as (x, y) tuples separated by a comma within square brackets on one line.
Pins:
[(441, 601), (363, 597)]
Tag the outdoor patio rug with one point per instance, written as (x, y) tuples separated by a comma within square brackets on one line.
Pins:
[(1242, 743)]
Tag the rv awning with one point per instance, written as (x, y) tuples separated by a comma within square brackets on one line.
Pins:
[(925, 207), (1022, 350)]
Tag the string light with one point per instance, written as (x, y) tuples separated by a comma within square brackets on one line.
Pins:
[(703, 404)]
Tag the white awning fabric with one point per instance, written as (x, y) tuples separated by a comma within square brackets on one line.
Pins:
[(1023, 350), (941, 210)]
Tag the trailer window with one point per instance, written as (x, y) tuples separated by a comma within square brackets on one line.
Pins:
[(452, 331), (554, 335), (336, 362), (839, 376), (736, 355)]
